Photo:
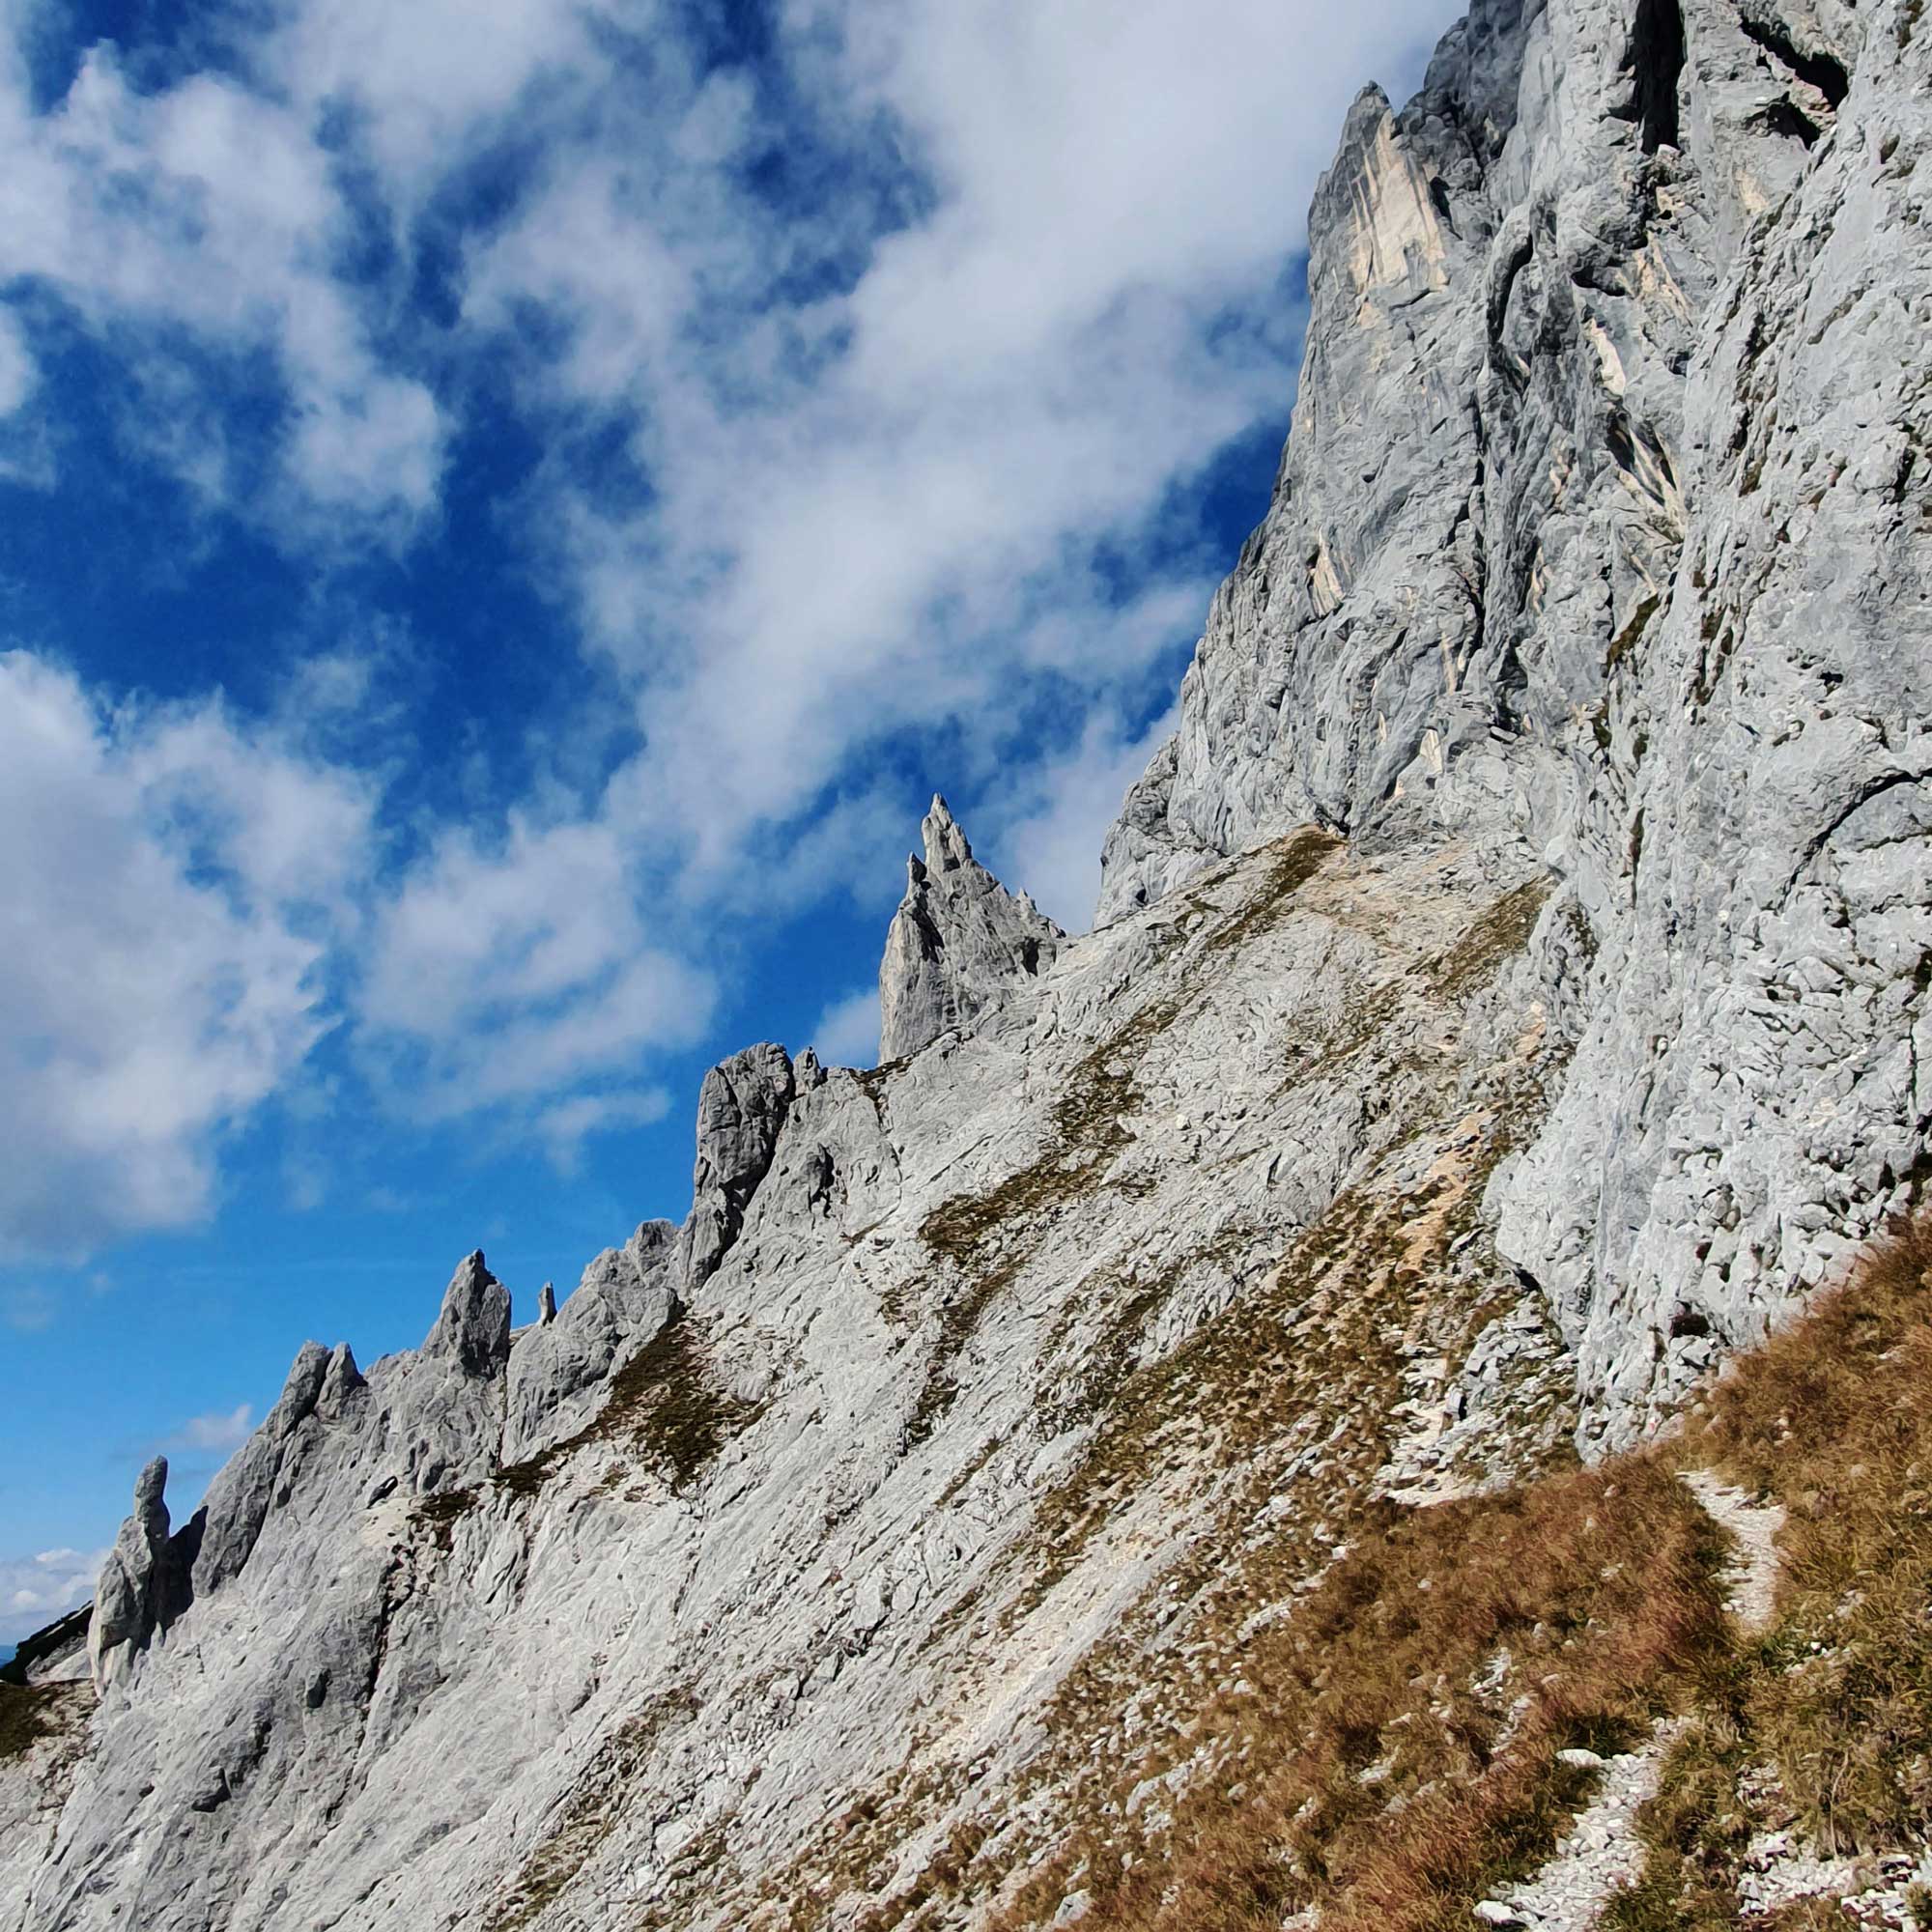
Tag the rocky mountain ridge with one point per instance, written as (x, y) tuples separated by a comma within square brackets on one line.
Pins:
[(1508, 999)]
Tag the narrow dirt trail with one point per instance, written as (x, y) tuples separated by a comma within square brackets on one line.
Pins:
[(1601, 1851), (1753, 1529)]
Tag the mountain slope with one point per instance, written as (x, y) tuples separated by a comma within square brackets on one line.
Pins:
[(1507, 1004)]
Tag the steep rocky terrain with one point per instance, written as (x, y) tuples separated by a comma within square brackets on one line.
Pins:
[(1507, 1003)]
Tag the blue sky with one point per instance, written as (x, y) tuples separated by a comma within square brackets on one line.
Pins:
[(507, 511)]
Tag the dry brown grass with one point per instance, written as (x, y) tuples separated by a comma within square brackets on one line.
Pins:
[(1292, 1396), (1369, 1772), (1834, 1419), (28, 1714), (1604, 1588)]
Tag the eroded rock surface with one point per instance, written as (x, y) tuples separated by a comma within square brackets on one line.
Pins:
[(958, 945), (628, 1637), (1600, 542), (559, 1368), (740, 1109), (142, 1588)]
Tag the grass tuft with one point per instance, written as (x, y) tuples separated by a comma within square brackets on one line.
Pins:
[(28, 1714)]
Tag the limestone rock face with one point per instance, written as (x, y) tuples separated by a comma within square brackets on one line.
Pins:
[(240, 1496), (1599, 544), (1510, 996), (140, 1589), (473, 1332), (557, 1369), (608, 1635), (741, 1107), (958, 944)]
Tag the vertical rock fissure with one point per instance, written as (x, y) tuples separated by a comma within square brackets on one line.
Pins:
[(1656, 57)]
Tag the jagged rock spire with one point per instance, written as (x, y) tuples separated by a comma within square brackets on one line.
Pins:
[(559, 1368), (473, 1328), (958, 943), (341, 1383), (137, 1590), (741, 1107)]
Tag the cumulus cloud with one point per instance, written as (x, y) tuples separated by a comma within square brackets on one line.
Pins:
[(565, 1127), (847, 1032), (210, 209), (165, 889), (216, 1432), (1053, 847), (508, 974), (902, 336), (36, 1590)]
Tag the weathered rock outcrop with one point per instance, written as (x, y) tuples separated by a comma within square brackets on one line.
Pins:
[(141, 1588), (1510, 994), (740, 1109), (958, 944), (557, 1369), (641, 1637)]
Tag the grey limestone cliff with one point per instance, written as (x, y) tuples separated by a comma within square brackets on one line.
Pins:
[(1599, 544), (142, 1588), (558, 1369), (1510, 996), (741, 1108)]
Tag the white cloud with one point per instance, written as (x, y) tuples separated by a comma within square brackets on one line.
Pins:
[(1052, 849), (881, 497), (36, 1590), (565, 1127), (626, 300), (216, 1432), (511, 974), (847, 1032), (28, 1310), (163, 891), (291, 831), (211, 209), (905, 433), (17, 372), (428, 78)]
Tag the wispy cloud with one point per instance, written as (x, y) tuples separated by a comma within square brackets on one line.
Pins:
[(565, 1127), (207, 213), (510, 973), (1056, 823), (28, 1310), (217, 1434), (866, 370), (847, 1032), (170, 883), (35, 1590)]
